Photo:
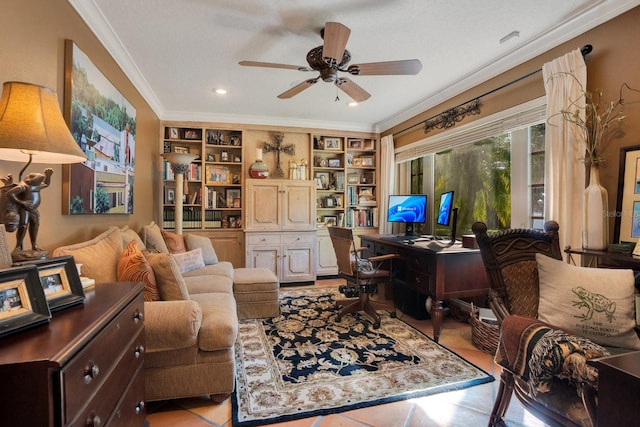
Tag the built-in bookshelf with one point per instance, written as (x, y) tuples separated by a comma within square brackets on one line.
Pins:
[(344, 171), (213, 182)]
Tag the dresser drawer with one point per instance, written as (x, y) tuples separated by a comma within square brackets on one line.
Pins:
[(131, 410), (263, 239), (302, 238), (100, 406), (89, 369)]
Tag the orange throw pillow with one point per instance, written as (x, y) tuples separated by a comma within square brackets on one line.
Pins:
[(175, 242), (134, 267)]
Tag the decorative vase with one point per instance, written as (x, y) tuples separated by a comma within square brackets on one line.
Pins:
[(595, 221), (258, 170)]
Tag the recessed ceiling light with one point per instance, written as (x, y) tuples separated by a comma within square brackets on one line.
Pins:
[(353, 104), (220, 91)]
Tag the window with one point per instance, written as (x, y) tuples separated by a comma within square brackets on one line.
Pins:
[(495, 166)]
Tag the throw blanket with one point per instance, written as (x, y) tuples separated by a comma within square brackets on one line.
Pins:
[(538, 353)]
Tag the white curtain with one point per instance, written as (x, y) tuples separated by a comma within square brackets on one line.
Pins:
[(564, 171), (387, 181)]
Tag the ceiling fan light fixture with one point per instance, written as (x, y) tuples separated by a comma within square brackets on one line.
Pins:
[(220, 91)]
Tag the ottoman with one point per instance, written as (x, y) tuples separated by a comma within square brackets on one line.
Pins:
[(256, 293)]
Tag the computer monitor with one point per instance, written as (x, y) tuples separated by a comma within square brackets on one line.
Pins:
[(409, 209), (447, 214), (445, 208)]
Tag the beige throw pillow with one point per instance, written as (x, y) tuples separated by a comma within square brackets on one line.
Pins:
[(152, 238), (596, 303), (171, 285), (98, 256), (193, 241)]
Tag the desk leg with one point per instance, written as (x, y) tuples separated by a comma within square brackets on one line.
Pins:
[(437, 313)]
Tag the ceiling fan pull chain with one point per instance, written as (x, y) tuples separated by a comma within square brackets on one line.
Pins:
[(337, 95)]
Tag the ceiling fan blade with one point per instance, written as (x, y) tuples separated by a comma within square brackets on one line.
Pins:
[(353, 90), (297, 89), (336, 36), (272, 65), (406, 67)]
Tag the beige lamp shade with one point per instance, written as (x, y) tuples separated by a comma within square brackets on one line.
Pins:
[(31, 123)]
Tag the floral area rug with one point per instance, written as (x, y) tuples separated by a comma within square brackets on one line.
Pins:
[(303, 363)]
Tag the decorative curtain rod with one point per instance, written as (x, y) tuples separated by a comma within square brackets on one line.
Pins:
[(450, 117)]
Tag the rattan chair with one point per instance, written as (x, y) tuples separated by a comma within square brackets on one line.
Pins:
[(509, 258), (363, 274)]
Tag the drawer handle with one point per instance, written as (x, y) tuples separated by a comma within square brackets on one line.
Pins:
[(139, 351), (138, 316), (139, 407), (94, 421), (90, 373)]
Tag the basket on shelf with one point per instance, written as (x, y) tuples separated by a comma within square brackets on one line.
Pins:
[(484, 335)]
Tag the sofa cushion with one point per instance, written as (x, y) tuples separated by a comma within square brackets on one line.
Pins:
[(189, 261), (193, 241), (174, 242), (204, 284), (596, 303), (98, 256), (219, 328), (128, 235), (152, 238), (223, 268), (134, 267), (171, 285)]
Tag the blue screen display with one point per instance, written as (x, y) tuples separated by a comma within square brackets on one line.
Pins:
[(444, 211), (408, 208)]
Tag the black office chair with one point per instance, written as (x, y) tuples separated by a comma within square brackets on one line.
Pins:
[(363, 275)]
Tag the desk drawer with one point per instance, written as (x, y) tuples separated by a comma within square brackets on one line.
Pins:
[(420, 264), (90, 368), (384, 249)]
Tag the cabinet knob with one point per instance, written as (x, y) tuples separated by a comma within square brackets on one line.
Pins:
[(139, 407), (138, 316), (90, 373), (94, 421), (139, 351)]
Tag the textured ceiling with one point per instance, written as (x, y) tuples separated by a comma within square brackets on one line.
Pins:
[(177, 52)]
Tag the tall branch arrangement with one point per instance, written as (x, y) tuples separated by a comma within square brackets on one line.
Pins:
[(602, 120)]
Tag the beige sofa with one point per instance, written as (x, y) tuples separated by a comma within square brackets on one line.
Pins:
[(190, 332)]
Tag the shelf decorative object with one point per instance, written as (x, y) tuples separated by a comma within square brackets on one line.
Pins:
[(258, 169), (278, 147)]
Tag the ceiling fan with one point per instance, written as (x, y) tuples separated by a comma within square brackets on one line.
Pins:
[(332, 57)]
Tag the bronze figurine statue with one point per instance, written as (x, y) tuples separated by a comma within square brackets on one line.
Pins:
[(19, 204)]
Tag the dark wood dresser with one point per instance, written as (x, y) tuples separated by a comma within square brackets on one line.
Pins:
[(84, 368)]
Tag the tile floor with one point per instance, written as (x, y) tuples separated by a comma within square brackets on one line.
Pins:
[(468, 407)]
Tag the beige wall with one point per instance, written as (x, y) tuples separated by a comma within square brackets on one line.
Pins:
[(32, 35), (615, 59)]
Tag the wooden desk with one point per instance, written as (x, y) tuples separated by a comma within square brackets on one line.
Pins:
[(454, 272), (618, 389)]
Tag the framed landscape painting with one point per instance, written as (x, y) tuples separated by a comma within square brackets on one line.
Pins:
[(103, 123)]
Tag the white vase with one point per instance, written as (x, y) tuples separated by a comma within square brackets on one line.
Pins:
[(595, 221)]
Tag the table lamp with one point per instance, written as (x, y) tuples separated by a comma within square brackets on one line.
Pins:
[(31, 129), (180, 163)]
